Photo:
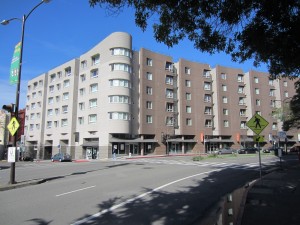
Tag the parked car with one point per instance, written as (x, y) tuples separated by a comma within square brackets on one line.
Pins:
[(250, 150), (61, 157), (275, 150), (295, 149), (266, 150), (225, 151)]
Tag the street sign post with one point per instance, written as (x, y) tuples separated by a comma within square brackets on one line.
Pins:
[(257, 124)]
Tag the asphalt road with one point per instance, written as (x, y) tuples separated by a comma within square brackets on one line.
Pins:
[(172, 190)]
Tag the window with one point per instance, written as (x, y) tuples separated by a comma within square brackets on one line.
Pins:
[(223, 76), (118, 99), (189, 122), (50, 101), (32, 115), (56, 111), (206, 73), (207, 98), (188, 96), (49, 112), (121, 51), (241, 101), (52, 78), (207, 86), (56, 123), (226, 123), (68, 72), (35, 85), (169, 80), (170, 107), (82, 77), (256, 80), (93, 103), (149, 119), (118, 116), (83, 64), (95, 59), (169, 121), (188, 83), (225, 112), (224, 87), (94, 73), (119, 83), (41, 83), (242, 112), (148, 104), (59, 74), (49, 124), (285, 84), (188, 109), (187, 70), (286, 94), (58, 87), (66, 96), (257, 102), (94, 88), (93, 118), (66, 83), (80, 120), (271, 82), (208, 123), (272, 92), (257, 91), (241, 89), (81, 105), (274, 126), (64, 122), (81, 91), (258, 112), (121, 67), (51, 90), (169, 93), (243, 125), (207, 110), (64, 109), (149, 76), (225, 99), (240, 78), (149, 90), (169, 66), (149, 62)]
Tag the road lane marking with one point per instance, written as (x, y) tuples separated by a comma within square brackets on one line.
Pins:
[(70, 192), (114, 207)]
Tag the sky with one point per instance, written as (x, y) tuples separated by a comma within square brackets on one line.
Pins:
[(62, 30)]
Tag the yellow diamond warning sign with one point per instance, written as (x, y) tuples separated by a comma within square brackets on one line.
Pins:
[(257, 123), (13, 126)]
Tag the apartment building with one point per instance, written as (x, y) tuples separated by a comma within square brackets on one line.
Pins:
[(141, 102)]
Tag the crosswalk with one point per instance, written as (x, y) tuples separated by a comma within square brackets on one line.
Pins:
[(233, 165)]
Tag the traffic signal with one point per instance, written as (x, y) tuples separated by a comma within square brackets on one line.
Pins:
[(9, 108)]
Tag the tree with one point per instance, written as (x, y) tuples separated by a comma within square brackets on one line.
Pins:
[(263, 30), (292, 120)]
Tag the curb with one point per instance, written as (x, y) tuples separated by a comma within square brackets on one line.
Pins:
[(21, 184)]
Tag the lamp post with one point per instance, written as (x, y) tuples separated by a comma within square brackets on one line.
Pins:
[(5, 22)]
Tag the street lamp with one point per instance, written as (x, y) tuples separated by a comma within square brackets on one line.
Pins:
[(5, 22)]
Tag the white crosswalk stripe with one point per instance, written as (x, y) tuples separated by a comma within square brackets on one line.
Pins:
[(254, 166)]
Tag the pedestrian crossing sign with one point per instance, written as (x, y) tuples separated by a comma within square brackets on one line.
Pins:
[(258, 138), (13, 126), (257, 123)]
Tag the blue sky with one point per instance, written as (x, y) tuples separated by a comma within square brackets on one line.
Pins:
[(64, 29)]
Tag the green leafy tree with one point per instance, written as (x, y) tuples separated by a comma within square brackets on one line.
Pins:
[(292, 119), (264, 30)]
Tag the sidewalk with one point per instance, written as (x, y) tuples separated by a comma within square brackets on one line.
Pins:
[(275, 200)]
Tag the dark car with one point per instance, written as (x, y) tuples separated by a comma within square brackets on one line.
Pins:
[(61, 157), (225, 151), (247, 150), (295, 149), (266, 150)]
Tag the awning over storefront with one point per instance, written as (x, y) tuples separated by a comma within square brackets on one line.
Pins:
[(219, 140), (179, 140), (91, 144), (137, 140)]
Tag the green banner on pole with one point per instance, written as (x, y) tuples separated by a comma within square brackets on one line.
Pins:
[(15, 65)]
